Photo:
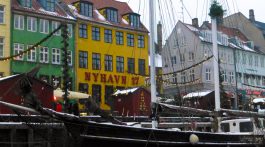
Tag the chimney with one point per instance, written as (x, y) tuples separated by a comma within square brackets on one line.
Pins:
[(251, 15), (159, 38), (195, 22)]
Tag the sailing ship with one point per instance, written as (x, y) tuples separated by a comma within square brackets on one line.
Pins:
[(117, 133)]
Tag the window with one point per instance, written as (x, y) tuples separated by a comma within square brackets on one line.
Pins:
[(18, 48), (224, 76), (96, 33), (130, 39), (119, 38), (108, 63), (192, 75), (70, 30), (26, 3), (50, 5), (19, 22), (258, 80), (32, 24), (141, 41), (262, 61), (44, 26), (86, 9), (182, 58), (246, 127), (1, 47), (183, 77), (135, 20), (83, 59), (141, 66), (130, 65), (96, 61), (208, 74), (239, 77), (173, 60), (70, 62), (244, 58), (191, 56), (2, 11), (112, 15), (263, 81), (250, 60), (31, 54), (44, 55), (231, 77), (120, 64), (108, 36), (96, 93), (256, 61), (108, 92), (56, 54), (83, 31), (55, 25), (83, 87)]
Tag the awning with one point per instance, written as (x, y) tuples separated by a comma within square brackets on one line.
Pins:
[(197, 94), (259, 100), (58, 93)]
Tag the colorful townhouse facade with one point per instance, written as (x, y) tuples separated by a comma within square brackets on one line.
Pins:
[(5, 15), (31, 21), (111, 48)]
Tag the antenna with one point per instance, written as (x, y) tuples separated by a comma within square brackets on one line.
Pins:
[(182, 10)]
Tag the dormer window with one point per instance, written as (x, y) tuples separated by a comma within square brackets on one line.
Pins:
[(49, 5), (26, 3), (86, 9), (134, 20), (111, 14)]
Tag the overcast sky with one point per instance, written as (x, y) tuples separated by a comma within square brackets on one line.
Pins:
[(170, 11)]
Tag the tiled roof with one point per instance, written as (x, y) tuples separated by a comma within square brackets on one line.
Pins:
[(231, 32), (36, 8), (260, 25), (122, 7)]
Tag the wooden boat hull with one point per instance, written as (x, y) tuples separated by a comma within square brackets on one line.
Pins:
[(97, 135)]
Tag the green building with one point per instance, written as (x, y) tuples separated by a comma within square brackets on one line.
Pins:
[(31, 21)]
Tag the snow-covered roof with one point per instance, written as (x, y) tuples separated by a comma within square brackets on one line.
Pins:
[(197, 94), (125, 91), (259, 100), (8, 77)]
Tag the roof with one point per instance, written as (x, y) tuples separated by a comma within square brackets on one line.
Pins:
[(58, 93), (37, 8), (230, 32), (8, 77), (197, 94), (125, 91), (122, 7)]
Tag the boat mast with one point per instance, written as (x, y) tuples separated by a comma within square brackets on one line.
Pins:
[(152, 61)]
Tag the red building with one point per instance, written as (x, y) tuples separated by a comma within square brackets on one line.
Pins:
[(10, 91), (132, 102)]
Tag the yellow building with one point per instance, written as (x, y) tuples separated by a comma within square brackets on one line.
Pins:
[(111, 48), (5, 15)]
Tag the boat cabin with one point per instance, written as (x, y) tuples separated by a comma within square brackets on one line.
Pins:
[(243, 125)]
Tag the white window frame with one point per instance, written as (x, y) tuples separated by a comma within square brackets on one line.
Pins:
[(183, 77), (208, 74), (55, 25), (17, 49), (2, 14), (56, 56), (70, 61), (192, 75), (231, 77), (44, 26), (70, 30), (191, 56), (32, 24), (31, 54), (19, 22), (2, 44), (44, 55)]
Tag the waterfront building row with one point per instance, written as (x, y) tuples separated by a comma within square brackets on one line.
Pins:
[(107, 45)]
